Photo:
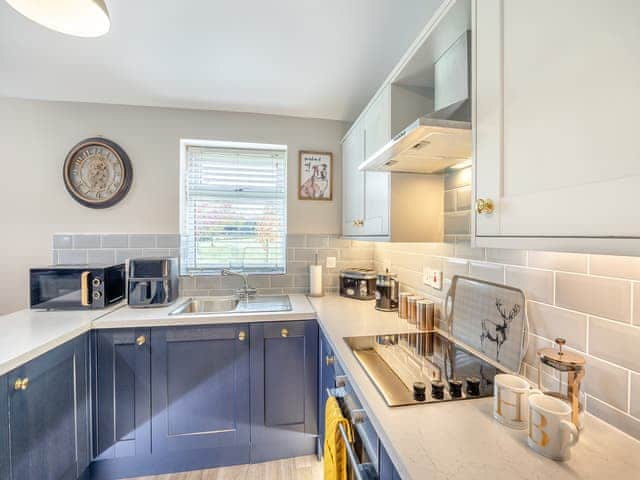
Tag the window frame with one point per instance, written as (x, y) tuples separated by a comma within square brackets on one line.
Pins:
[(185, 143)]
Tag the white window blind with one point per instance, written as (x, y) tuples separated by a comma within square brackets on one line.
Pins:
[(233, 208)]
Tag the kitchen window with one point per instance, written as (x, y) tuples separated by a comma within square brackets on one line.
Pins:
[(233, 207)]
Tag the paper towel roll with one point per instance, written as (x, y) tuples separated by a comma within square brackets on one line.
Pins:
[(315, 281)]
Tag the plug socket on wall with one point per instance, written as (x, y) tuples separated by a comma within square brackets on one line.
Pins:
[(432, 277)]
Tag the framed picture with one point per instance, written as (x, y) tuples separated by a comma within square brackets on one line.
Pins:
[(315, 180)]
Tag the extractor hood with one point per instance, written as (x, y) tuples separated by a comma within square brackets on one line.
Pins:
[(441, 139)]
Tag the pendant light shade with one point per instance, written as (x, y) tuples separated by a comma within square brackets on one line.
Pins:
[(81, 18)]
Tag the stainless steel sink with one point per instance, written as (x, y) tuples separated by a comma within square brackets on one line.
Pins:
[(210, 305), (207, 305)]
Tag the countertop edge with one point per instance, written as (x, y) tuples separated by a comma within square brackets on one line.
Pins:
[(18, 361)]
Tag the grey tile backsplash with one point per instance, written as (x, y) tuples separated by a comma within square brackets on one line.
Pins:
[(77, 249)]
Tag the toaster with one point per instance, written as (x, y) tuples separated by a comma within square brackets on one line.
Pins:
[(358, 283), (152, 282)]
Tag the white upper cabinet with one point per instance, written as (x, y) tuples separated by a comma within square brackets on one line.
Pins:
[(557, 93), (365, 195), (352, 181), (377, 132)]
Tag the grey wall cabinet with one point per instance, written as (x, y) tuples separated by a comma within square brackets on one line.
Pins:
[(284, 389), (45, 403), (122, 393)]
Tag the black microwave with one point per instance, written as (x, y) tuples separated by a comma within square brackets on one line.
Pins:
[(77, 287)]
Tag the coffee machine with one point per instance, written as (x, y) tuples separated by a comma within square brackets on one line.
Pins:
[(387, 287)]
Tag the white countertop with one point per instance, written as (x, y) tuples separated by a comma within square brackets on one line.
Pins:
[(128, 317), (461, 440), (27, 334)]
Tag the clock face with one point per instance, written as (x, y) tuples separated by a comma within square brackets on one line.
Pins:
[(97, 173)]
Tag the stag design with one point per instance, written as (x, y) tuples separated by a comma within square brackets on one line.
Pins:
[(497, 332)]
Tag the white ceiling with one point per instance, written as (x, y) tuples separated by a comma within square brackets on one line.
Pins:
[(309, 58)]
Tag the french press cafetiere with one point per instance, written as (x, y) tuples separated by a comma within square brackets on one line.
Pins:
[(573, 365)]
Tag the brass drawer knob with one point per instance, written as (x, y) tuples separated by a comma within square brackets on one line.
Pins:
[(21, 384), (141, 340), (284, 333), (329, 360), (484, 206), (242, 335)]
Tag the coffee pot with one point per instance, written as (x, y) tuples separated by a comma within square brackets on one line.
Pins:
[(571, 364)]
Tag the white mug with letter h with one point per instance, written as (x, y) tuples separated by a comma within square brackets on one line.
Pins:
[(551, 431), (510, 400)]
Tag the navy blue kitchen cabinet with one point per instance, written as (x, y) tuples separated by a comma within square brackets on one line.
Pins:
[(200, 395), (386, 470), (121, 393), (284, 389), (327, 382), (4, 428), (47, 404)]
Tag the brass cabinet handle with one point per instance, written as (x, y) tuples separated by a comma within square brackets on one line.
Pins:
[(358, 222), (21, 383), (329, 360), (484, 206), (84, 289), (284, 333), (141, 340), (242, 335)]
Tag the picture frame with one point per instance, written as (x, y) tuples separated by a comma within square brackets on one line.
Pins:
[(315, 175)]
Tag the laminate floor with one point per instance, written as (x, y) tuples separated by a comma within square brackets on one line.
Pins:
[(299, 468)]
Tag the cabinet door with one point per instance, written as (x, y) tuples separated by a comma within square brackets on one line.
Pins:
[(557, 91), (48, 415), (377, 132), (4, 428), (352, 182), (122, 398), (386, 470), (200, 388), (327, 381), (284, 389)]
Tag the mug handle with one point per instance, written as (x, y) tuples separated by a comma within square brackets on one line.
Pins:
[(574, 434)]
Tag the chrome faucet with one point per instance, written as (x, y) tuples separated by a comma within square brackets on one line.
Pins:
[(244, 292)]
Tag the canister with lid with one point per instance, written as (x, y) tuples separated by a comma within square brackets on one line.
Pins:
[(403, 304), (425, 314), (412, 316)]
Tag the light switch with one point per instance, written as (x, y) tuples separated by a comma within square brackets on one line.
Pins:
[(331, 262)]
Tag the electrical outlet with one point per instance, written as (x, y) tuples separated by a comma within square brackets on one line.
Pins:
[(433, 278), (331, 262)]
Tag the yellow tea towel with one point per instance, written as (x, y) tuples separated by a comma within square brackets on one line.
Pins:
[(335, 453)]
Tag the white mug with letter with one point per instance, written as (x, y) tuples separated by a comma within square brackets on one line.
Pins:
[(551, 432), (510, 406)]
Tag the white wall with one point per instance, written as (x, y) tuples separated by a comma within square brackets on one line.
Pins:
[(35, 137)]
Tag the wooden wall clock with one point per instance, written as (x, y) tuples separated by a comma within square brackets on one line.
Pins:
[(97, 173)]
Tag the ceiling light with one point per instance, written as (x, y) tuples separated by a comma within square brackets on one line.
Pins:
[(81, 18)]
